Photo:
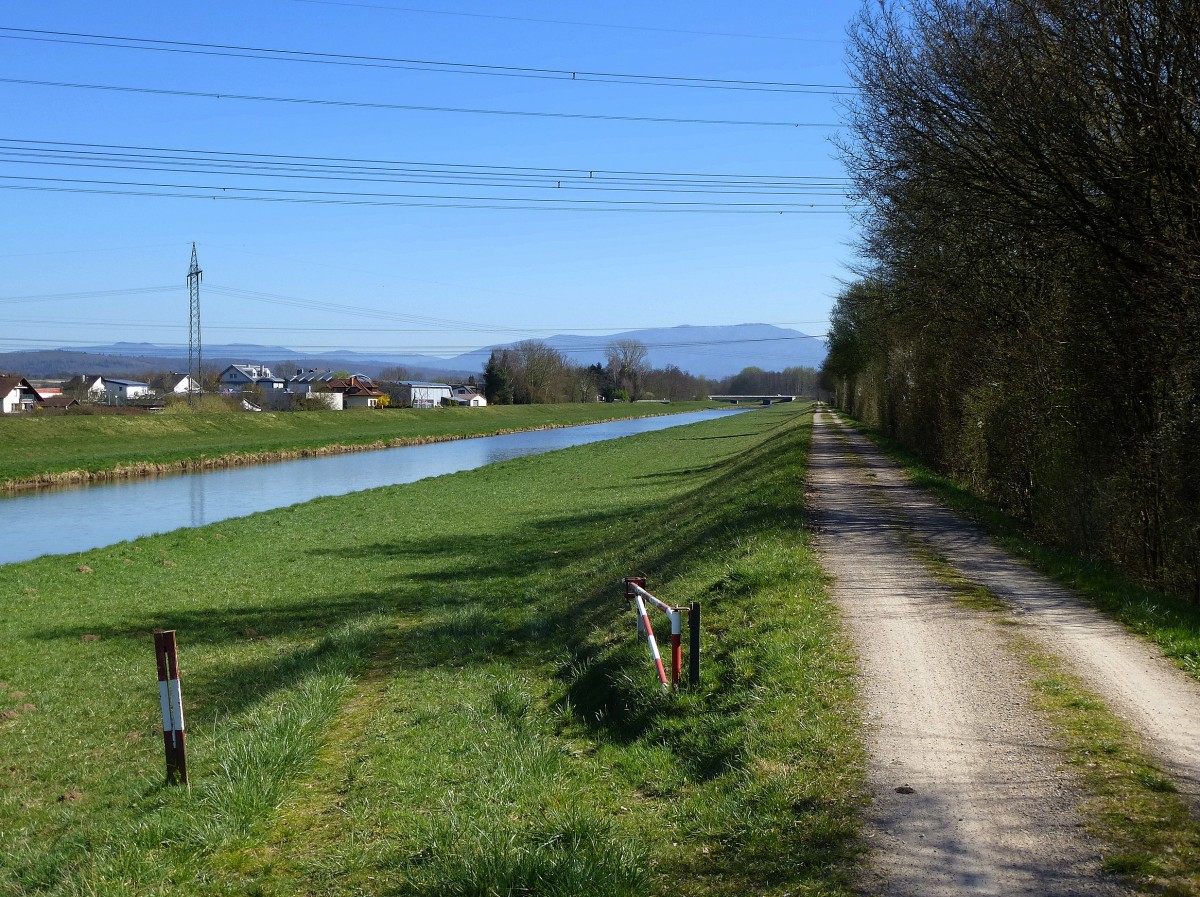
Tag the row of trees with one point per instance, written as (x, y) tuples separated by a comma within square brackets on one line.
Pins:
[(534, 372), (1028, 317)]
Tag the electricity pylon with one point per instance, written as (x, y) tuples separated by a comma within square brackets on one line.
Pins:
[(195, 355)]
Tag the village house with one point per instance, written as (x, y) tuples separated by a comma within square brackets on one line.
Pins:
[(120, 392), (60, 402), (357, 392), (420, 394), (174, 382), (85, 387), (237, 378), (467, 397), (16, 394)]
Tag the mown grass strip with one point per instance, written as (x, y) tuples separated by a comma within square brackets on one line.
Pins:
[(39, 451), (436, 689), (1171, 623)]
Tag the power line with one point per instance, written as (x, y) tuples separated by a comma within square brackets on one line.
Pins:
[(630, 204), (273, 54), (225, 193), (461, 350), (364, 104), (277, 328), (193, 165), (88, 294), (476, 15), (544, 172)]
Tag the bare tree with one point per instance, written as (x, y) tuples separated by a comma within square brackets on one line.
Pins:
[(628, 363)]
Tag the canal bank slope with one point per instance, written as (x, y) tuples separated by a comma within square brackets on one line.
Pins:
[(438, 688), (49, 451)]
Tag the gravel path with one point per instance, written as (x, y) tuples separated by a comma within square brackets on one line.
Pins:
[(970, 797)]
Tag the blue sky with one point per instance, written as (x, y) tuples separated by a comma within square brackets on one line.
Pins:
[(410, 276)]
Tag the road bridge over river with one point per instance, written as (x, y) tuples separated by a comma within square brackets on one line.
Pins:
[(766, 400)]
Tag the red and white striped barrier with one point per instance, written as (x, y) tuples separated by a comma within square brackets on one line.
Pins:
[(635, 590), (171, 699)]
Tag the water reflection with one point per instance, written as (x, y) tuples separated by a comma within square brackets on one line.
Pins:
[(80, 518)]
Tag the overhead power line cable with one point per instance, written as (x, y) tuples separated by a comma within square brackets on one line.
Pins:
[(403, 107), (568, 22), (329, 197), (389, 165), (192, 165), (124, 42)]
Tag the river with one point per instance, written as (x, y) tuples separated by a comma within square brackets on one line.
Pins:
[(78, 518)]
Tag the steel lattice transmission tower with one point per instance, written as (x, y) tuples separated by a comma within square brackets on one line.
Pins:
[(195, 354)]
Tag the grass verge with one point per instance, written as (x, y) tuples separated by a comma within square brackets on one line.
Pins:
[(436, 689), (50, 450), (1171, 623)]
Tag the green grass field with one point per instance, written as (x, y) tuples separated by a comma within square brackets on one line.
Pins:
[(437, 689), (49, 447)]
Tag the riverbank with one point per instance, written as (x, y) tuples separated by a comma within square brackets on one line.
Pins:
[(437, 688), (40, 452)]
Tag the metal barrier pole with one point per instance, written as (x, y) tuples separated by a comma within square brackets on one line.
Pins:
[(631, 583), (645, 618), (676, 646), (171, 699), (694, 644)]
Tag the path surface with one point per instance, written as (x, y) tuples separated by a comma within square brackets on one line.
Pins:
[(970, 797)]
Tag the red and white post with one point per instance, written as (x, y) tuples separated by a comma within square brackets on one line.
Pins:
[(171, 699), (649, 630), (635, 588)]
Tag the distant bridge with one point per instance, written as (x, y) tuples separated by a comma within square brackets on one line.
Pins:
[(766, 400)]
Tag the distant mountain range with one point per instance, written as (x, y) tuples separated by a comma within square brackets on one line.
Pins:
[(704, 351)]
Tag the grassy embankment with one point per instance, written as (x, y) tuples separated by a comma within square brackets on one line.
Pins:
[(436, 689), (45, 450)]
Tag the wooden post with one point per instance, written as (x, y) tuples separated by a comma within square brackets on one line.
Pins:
[(171, 699), (694, 644)]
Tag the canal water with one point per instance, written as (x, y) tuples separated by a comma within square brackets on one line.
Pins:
[(73, 519)]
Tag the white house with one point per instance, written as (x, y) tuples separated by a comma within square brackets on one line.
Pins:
[(420, 394), (467, 397), (89, 387), (118, 392), (175, 382), (238, 377), (17, 395)]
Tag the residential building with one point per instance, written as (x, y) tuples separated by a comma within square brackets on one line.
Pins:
[(357, 392), (85, 387), (120, 392), (16, 394), (420, 394), (239, 377), (174, 382), (467, 397)]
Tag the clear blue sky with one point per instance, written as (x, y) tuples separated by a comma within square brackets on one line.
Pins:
[(413, 277)]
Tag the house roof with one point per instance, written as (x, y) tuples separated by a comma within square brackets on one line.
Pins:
[(424, 383), (8, 384), (126, 382), (258, 373), (59, 401), (353, 386)]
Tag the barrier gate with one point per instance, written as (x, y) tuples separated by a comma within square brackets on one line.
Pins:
[(636, 594)]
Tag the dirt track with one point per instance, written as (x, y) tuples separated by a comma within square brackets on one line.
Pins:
[(984, 806)]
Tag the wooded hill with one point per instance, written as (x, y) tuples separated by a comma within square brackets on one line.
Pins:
[(1027, 319)]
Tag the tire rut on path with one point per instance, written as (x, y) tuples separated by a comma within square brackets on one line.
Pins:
[(983, 806)]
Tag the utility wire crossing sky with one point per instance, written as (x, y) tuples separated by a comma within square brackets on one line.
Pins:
[(442, 170)]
